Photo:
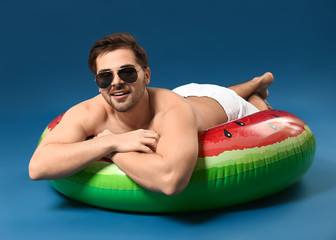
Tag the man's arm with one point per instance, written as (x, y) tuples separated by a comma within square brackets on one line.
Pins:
[(169, 169), (65, 151)]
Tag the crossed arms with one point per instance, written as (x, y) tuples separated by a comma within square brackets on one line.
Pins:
[(161, 160)]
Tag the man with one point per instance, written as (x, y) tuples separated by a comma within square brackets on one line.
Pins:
[(149, 133)]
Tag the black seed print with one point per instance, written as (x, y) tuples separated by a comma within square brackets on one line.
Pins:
[(239, 123), (227, 134)]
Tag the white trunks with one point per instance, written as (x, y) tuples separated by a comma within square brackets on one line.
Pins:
[(234, 106)]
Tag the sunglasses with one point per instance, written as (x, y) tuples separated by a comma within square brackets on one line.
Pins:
[(127, 74)]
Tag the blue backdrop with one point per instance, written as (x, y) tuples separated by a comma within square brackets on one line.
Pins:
[(44, 46)]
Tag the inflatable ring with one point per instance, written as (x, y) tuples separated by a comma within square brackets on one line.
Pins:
[(238, 161)]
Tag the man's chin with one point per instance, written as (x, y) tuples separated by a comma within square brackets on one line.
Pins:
[(122, 107)]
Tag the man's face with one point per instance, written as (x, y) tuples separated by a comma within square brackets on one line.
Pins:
[(120, 95)]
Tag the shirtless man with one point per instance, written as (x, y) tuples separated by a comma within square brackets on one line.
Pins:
[(149, 133)]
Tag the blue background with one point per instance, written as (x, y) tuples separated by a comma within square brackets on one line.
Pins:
[(44, 46)]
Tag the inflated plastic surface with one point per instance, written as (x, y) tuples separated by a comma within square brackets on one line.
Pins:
[(238, 161)]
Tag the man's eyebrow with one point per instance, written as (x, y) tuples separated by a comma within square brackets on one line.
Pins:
[(109, 69), (127, 65)]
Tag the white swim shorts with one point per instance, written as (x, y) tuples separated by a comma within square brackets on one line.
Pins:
[(234, 106)]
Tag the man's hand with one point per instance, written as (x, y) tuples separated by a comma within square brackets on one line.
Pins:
[(169, 168), (135, 141)]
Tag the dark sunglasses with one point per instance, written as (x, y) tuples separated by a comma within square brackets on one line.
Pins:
[(127, 74)]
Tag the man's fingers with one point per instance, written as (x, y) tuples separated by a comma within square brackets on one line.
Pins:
[(150, 143), (146, 149), (151, 140), (139, 140), (152, 134)]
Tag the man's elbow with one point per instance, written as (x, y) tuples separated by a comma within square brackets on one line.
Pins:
[(35, 172), (174, 186)]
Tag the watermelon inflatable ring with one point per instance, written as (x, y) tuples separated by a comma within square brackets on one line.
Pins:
[(238, 161)]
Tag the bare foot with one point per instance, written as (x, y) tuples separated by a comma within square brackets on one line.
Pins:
[(263, 83)]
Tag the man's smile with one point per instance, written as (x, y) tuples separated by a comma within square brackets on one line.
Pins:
[(120, 94)]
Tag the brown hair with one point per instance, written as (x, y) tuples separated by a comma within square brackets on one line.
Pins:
[(114, 42)]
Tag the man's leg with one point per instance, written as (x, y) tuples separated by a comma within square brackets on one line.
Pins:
[(255, 91), (259, 102), (258, 85)]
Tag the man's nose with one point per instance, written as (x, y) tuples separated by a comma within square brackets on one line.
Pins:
[(117, 80)]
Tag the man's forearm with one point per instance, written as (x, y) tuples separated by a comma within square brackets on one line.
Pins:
[(150, 171), (55, 160), (59, 160)]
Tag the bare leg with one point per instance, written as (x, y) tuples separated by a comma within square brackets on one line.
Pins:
[(258, 85), (259, 102), (255, 91)]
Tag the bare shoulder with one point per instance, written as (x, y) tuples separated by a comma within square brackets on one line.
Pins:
[(171, 110), (85, 108), (164, 101), (88, 114), (80, 121), (177, 124)]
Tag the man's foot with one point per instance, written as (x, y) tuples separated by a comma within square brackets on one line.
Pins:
[(263, 83)]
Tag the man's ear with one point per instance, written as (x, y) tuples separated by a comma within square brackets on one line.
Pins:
[(147, 75)]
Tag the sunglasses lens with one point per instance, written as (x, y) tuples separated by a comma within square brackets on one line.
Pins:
[(104, 79), (128, 74)]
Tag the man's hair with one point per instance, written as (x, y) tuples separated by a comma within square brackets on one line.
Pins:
[(114, 42)]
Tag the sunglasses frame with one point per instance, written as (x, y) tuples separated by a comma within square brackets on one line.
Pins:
[(115, 72)]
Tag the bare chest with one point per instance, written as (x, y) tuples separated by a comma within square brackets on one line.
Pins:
[(118, 127)]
